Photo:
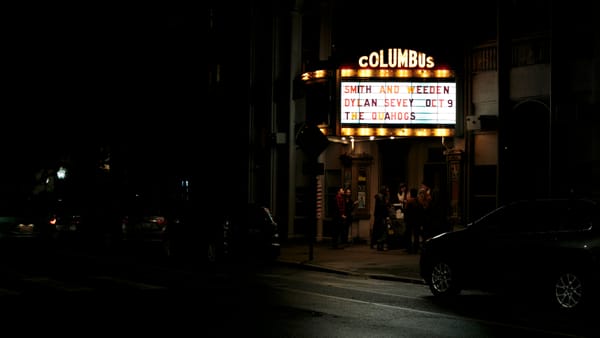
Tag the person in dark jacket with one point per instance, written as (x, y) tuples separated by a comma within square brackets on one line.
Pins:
[(423, 211), (349, 205), (339, 218), (413, 233), (381, 212)]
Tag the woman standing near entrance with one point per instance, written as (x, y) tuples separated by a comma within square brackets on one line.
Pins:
[(349, 205)]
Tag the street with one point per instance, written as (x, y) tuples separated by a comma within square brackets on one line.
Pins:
[(81, 294)]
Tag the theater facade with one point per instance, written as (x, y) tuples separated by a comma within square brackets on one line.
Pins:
[(390, 117)]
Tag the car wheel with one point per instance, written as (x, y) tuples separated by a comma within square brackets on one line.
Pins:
[(443, 281), (568, 290)]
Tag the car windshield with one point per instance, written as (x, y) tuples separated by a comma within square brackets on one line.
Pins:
[(540, 216)]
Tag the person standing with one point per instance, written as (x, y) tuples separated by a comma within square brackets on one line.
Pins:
[(400, 202), (381, 212), (339, 218), (413, 232), (423, 211), (349, 205), (402, 195)]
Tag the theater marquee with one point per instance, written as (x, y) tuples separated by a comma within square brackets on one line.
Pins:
[(392, 92), (396, 92), (398, 102)]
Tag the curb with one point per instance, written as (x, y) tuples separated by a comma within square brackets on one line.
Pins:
[(315, 267)]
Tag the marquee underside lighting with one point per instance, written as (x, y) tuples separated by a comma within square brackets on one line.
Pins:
[(396, 132)]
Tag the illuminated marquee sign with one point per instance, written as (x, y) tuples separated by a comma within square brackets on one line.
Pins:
[(395, 102), (396, 58)]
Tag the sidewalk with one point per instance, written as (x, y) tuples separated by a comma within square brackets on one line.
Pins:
[(354, 259)]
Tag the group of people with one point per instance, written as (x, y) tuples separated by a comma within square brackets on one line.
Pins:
[(416, 206), (343, 217)]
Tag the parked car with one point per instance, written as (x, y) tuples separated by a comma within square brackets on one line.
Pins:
[(18, 228), (251, 234), (22, 234), (67, 227), (546, 247), (83, 224), (149, 231), (183, 232)]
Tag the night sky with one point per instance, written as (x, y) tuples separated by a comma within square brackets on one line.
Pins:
[(87, 77), (82, 80), (437, 28)]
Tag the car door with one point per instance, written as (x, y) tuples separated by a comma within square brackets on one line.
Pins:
[(502, 245)]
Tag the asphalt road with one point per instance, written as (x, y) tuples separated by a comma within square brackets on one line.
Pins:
[(84, 294)]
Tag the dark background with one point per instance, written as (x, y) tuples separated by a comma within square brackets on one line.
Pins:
[(86, 85)]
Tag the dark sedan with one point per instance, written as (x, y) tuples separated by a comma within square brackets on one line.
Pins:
[(183, 232), (549, 247), (252, 233), (18, 228), (22, 235)]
